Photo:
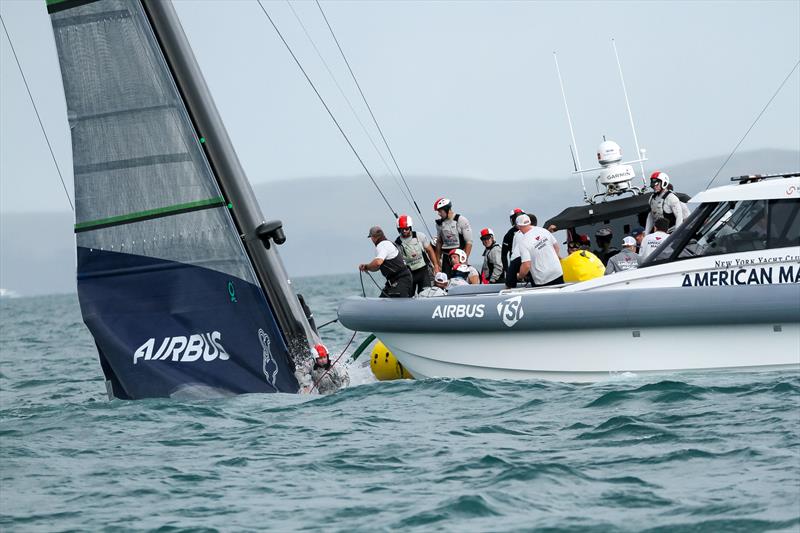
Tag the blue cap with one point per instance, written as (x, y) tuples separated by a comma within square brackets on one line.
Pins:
[(637, 231)]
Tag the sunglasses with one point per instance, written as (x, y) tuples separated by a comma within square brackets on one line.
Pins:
[(487, 237)]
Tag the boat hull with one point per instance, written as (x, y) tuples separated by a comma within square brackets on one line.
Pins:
[(563, 335), (595, 355)]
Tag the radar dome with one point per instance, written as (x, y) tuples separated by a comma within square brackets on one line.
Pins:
[(609, 152)]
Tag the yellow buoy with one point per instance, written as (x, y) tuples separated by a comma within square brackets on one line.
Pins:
[(385, 366), (582, 265)]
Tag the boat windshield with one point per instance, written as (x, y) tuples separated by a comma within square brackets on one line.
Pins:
[(731, 227)]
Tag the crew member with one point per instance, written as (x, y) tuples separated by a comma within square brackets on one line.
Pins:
[(492, 271), (459, 277), (327, 379), (453, 231), (440, 284), (538, 252), (579, 242), (508, 238), (417, 252), (389, 261), (602, 239), (638, 234), (654, 240), (459, 257), (664, 203), (627, 259)]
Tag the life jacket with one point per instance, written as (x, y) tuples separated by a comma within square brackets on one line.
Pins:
[(413, 251), (657, 207), (450, 245), (490, 265), (394, 268)]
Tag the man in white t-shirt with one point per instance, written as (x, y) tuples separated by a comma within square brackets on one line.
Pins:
[(390, 262), (538, 252), (654, 240)]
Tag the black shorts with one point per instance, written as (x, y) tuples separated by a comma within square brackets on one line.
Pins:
[(400, 288)]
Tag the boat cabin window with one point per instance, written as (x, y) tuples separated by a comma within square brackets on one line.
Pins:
[(784, 223), (731, 227)]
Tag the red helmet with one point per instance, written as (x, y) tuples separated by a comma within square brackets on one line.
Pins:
[(660, 176), (405, 221), (442, 203), (514, 214), (486, 232), (322, 351), (459, 256)]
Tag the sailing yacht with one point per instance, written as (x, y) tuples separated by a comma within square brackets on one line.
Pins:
[(179, 277)]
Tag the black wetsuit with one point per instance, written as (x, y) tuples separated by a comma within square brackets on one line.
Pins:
[(505, 251)]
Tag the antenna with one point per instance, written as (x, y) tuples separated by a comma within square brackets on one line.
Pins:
[(639, 152), (576, 159), (574, 163)]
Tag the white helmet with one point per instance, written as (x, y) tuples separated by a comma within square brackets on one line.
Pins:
[(660, 176), (442, 203), (608, 152), (405, 221), (460, 254)]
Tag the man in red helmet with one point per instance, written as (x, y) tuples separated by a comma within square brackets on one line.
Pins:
[(664, 202), (492, 271), (453, 231), (417, 252), (508, 238)]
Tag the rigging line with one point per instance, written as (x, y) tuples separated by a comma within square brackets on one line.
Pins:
[(328, 323), (349, 104), (375, 120), (39, 118), (322, 100), (753, 124)]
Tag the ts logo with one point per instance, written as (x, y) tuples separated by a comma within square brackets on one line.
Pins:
[(510, 310)]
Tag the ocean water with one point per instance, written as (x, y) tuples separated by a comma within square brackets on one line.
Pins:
[(683, 452)]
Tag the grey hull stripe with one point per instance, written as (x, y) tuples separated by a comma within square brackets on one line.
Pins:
[(554, 311), (135, 162), (119, 14)]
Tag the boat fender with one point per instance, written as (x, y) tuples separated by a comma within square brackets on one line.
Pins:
[(582, 265), (385, 365)]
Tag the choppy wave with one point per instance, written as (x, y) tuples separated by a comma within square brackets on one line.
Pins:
[(686, 452)]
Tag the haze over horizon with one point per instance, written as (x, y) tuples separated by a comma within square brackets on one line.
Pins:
[(328, 218)]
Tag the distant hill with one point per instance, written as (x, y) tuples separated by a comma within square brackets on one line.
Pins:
[(326, 220)]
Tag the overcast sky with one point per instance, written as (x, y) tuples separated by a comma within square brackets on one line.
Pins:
[(460, 88)]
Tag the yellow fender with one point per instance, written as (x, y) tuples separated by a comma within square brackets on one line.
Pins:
[(385, 365), (582, 265)]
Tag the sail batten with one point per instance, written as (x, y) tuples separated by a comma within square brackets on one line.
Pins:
[(209, 203), (133, 162)]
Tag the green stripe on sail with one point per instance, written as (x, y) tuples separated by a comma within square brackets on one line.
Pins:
[(217, 201)]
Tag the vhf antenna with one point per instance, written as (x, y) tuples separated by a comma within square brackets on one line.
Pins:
[(575, 158), (639, 151)]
